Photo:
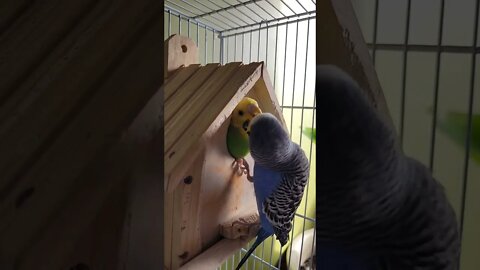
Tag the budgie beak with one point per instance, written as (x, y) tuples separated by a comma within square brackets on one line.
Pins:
[(253, 110), (246, 126)]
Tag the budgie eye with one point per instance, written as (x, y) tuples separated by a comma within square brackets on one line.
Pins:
[(240, 112)]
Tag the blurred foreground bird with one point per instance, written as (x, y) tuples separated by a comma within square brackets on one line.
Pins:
[(376, 207)]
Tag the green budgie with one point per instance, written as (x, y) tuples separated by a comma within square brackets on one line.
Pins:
[(237, 134)]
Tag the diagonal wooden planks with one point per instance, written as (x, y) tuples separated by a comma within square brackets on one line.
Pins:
[(114, 100), (203, 108), (184, 93), (30, 128)]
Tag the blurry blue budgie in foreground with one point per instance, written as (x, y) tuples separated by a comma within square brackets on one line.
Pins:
[(280, 175), (376, 208)]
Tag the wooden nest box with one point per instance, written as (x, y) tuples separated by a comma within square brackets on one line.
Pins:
[(210, 211)]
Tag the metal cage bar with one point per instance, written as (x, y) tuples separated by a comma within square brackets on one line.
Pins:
[(437, 85), (468, 139), (404, 73), (221, 17)]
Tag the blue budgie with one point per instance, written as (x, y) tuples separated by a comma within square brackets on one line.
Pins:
[(377, 208), (280, 175)]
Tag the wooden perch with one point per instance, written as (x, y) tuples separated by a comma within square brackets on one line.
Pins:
[(341, 43), (244, 227)]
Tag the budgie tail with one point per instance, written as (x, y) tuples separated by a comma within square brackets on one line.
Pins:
[(261, 236)]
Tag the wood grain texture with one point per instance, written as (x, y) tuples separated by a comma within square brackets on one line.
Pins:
[(31, 128), (169, 201), (49, 69), (195, 105), (24, 48), (181, 170), (60, 235), (178, 78), (183, 94), (234, 92), (98, 246), (124, 51), (143, 237), (144, 218), (11, 11), (343, 45), (186, 214)]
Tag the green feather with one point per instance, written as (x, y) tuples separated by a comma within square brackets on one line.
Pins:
[(310, 133), (455, 125), (237, 142)]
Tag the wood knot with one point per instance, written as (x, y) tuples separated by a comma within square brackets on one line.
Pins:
[(183, 256), (188, 180)]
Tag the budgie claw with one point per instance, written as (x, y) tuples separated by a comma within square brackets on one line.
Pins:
[(242, 167), (246, 170)]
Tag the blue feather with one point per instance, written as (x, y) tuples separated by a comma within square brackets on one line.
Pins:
[(261, 236), (265, 182)]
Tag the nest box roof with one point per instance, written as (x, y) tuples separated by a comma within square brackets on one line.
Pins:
[(198, 99)]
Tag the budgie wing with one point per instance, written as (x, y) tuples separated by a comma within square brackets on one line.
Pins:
[(280, 206)]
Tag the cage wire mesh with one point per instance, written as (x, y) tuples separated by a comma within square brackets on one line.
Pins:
[(425, 54), (281, 33)]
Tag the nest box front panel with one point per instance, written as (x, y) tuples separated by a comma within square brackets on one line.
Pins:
[(225, 195)]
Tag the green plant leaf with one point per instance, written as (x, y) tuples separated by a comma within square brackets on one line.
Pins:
[(455, 124), (310, 133)]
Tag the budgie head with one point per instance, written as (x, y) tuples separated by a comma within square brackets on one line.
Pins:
[(243, 114), (269, 141)]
